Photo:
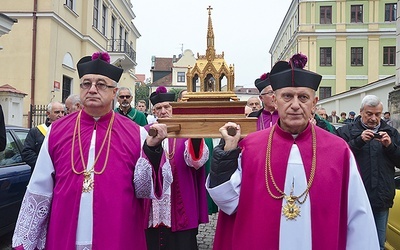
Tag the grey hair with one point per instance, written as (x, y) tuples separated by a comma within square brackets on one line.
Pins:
[(253, 97), (74, 99), (370, 101), (124, 88), (50, 106)]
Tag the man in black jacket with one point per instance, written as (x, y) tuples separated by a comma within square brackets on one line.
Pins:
[(35, 137), (375, 145)]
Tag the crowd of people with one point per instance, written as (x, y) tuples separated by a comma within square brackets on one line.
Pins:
[(100, 181)]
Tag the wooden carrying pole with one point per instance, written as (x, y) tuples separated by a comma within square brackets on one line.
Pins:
[(204, 127), (177, 128)]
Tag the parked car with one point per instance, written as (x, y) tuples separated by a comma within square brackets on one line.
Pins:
[(393, 228), (14, 177)]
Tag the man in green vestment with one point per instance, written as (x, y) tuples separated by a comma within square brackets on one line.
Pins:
[(125, 97)]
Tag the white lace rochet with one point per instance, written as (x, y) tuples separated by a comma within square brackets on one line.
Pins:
[(31, 228)]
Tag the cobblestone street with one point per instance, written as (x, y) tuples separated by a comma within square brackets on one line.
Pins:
[(205, 238)]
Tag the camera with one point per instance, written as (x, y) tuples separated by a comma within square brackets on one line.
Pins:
[(376, 135)]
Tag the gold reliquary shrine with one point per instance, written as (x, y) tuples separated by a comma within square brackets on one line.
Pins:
[(206, 107)]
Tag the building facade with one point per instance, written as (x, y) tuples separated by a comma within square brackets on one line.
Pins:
[(180, 68), (351, 100), (350, 43), (51, 36)]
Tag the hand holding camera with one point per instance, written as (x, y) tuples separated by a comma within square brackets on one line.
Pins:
[(377, 136)]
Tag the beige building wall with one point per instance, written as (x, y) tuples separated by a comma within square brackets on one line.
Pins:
[(64, 35)]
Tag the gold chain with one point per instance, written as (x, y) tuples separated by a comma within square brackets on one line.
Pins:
[(268, 169), (171, 155), (77, 130)]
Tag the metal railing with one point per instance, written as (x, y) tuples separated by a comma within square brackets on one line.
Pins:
[(37, 115), (120, 45)]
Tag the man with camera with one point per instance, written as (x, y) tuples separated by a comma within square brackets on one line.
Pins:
[(375, 146)]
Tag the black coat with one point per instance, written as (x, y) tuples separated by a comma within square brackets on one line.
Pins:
[(376, 163), (256, 113), (33, 143)]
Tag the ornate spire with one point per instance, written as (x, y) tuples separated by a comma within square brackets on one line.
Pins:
[(210, 54)]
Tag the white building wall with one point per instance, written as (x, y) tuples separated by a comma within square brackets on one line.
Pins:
[(351, 100)]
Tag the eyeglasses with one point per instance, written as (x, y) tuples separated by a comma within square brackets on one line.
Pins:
[(58, 111), (268, 93), (98, 85), (124, 96)]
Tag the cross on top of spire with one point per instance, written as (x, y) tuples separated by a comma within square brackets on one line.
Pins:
[(209, 10)]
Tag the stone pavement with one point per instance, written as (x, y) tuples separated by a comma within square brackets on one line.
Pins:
[(205, 238)]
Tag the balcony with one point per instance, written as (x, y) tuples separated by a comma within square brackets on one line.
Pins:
[(122, 54)]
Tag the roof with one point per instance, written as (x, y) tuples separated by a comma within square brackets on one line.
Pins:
[(164, 81), (163, 64), (140, 77), (252, 90), (10, 89)]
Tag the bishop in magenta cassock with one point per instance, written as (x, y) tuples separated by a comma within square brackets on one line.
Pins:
[(301, 190), (91, 170), (172, 219)]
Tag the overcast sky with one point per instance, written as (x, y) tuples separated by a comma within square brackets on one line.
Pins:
[(244, 30)]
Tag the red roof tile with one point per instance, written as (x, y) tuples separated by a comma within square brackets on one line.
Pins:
[(140, 77), (11, 89), (163, 64)]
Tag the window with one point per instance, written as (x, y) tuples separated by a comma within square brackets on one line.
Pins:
[(390, 12), (121, 43), (324, 92), (126, 48), (356, 14), (181, 77), (357, 56), (70, 4), (11, 154), (103, 20), (113, 20), (325, 15), (66, 88), (389, 55), (96, 14), (21, 134), (325, 56)]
